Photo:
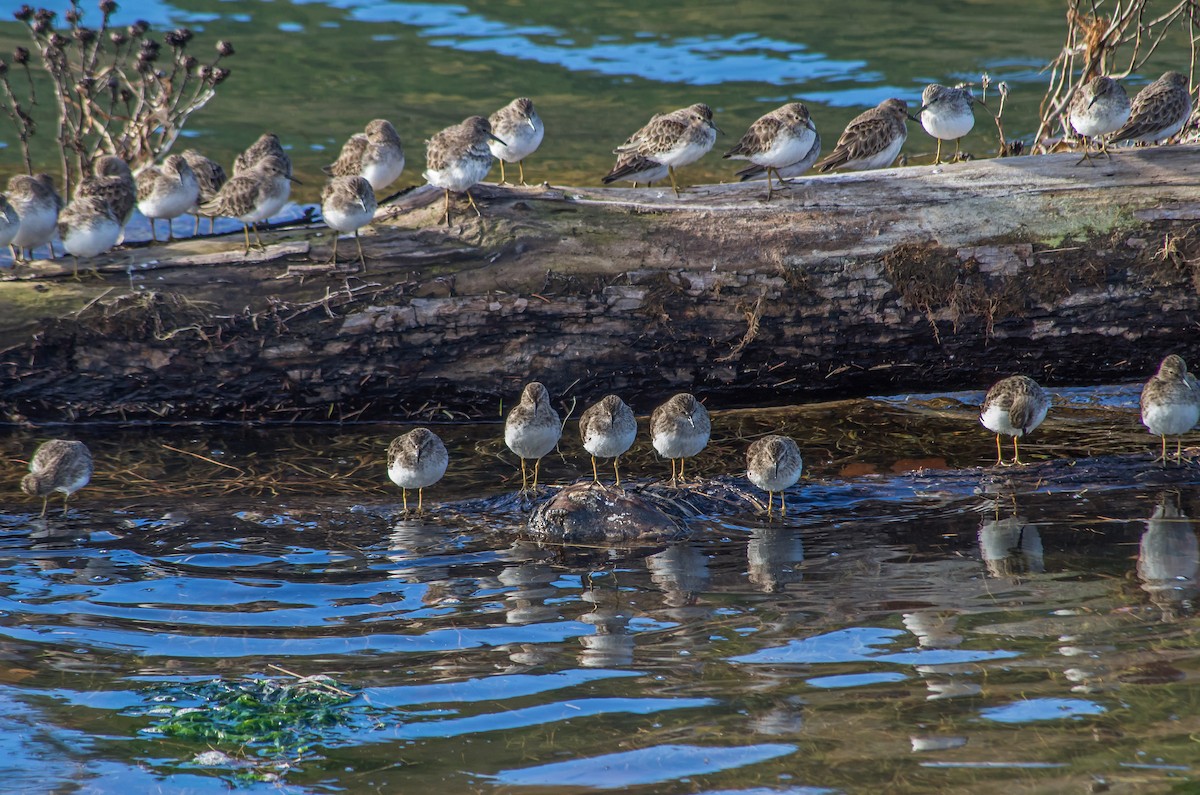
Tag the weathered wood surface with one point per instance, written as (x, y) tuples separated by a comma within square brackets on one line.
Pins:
[(910, 279)]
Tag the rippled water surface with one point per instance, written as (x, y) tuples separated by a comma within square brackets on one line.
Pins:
[(915, 624)]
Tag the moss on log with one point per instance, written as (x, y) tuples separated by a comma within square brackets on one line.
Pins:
[(908, 279)]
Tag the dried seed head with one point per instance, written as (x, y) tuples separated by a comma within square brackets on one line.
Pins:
[(84, 35), (219, 75), (204, 72), (178, 37), (39, 26), (44, 15), (118, 37), (20, 56), (190, 61), (139, 28), (225, 48), (108, 7), (72, 16), (23, 14), (58, 41)]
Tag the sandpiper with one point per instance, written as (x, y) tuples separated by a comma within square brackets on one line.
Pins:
[(947, 115), (1158, 111), (253, 195), (10, 221), (458, 157), (348, 204), (871, 139), (211, 176), (266, 145), (1171, 403), (1100, 107), (167, 191), (58, 465), (113, 182), (1014, 406), (88, 226), (674, 139), (636, 168), (521, 126), (532, 429), (608, 429), (416, 460), (679, 429), (37, 204), (773, 463), (783, 137), (789, 171), (375, 154)]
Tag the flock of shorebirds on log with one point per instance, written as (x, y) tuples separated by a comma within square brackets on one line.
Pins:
[(679, 430), (781, 144)]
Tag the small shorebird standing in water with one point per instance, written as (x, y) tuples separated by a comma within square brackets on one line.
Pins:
[(375, 154), (37, 204), (608, 429), (871, 140), (679, 429), (211, 176), (416, 460), (947, 115), (88, 227), (167, 191), (521, 126), (783, 137), (458, 157), (1158, 111), (1100, 107), (254, 195), (348, 204), (673, 139), (773, 463), (1014, 406), (58, 465), (532, 429), (1171, 404)]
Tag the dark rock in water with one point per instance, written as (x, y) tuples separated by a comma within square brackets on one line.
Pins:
[(597, 515)]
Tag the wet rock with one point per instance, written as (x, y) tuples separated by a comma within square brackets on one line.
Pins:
[(594, 514)]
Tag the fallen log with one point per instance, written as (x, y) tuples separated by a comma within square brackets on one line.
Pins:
[(909, 279)]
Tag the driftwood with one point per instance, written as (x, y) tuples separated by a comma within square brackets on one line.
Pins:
[(910, 279)]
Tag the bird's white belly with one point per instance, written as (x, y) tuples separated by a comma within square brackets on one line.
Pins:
[(93, 239), (1171, 419), (347, 220), (37, 227), (688, 152), (947, 126), (417, 477), (520, 146), (380, 175), (680, 444), (532, 442), (460, 176), (610, 445), (786, 150)]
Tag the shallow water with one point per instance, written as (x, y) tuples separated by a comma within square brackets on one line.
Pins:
[(949, 628)]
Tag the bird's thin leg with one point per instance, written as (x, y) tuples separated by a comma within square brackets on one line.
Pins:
[(1087, 156), (537, 463), (257, 238), (420, 500), (524, 478), (672, 471), (937, 158), (671, 172), (446, 213), (153, 230), (783, 503), (246, 232), (521, 168), (45, 503), (362, 259), (682, 463), (1163, 458), (769, 191), (333, 256), (1179, 450), (503, 181), (65, 498), (770, 503), (474, 206), (999, 453), (196, 231), (1016, 454), (617, 469), (170, 230), (595, 475), (957, 149), (404, 497)]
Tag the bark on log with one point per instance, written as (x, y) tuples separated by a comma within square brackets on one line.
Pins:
[(910, 279)]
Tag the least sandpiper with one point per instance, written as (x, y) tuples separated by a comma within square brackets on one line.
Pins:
[(947, 115), (1100, 107), (608, 429), (113, 182), (518, 124), (532, 428), (375, 155), (636, 168), (347, 205), (267, 145), (783, 137), (58, 465), (773, 464), (211, 176), (789, 171), (871, 139), (88, 226), (679, 429), (10, 221), (416, 460), (458, 157), (1014, 406), (253, 195), (167, 191), (1171, 403), (674, 139), (37, 204), (1158, 111)]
